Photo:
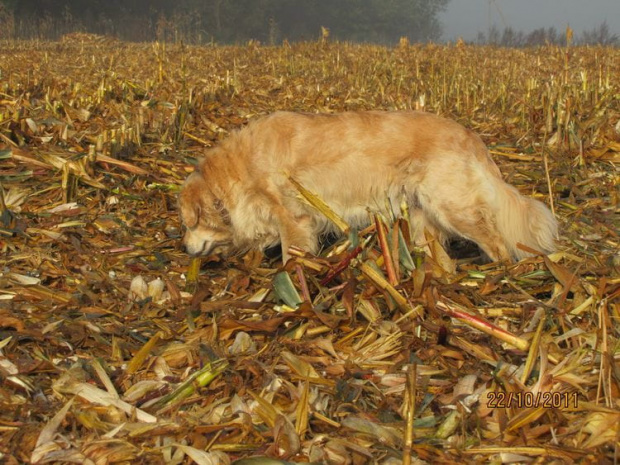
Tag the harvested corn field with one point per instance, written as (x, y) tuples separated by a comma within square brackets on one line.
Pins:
[(116, 347)]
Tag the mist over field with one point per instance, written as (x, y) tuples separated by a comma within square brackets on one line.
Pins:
[(468, 18), (499, 22)]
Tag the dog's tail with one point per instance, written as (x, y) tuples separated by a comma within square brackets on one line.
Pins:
[(524, 220)]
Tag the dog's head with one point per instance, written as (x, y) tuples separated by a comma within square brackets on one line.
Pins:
[(208, 228)]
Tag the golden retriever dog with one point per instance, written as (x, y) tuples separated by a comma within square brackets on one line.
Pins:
[(240, 196)]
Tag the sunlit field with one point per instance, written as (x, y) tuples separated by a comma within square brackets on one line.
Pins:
[(115, 346)]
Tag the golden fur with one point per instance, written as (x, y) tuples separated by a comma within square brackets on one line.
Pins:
[(240, 196)]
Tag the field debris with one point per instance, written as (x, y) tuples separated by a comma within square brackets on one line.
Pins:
[(116, 347)]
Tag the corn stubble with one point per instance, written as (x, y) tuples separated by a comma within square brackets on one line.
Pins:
[(375, 351)]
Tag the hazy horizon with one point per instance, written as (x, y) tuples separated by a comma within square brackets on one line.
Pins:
[(465, 18)]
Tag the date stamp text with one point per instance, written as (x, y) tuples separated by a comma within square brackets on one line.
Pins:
[(532, 400)]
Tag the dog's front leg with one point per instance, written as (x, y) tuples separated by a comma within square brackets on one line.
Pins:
[(297, 231)]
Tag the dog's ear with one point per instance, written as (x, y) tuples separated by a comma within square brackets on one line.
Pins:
[(189, 200), (223, 212), (190, 212)]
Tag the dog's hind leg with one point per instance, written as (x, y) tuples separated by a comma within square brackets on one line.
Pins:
[(474, 219), (419, 225), (481, 227)]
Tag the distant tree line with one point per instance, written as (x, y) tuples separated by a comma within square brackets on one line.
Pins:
[(509, 37), (225, 21)]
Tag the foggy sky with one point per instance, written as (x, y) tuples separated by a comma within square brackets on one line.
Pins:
[(464, 18)]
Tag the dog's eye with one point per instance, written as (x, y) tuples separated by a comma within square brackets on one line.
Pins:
[(222, 211)]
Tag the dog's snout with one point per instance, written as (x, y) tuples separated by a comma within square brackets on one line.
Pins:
[(197, 248)]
